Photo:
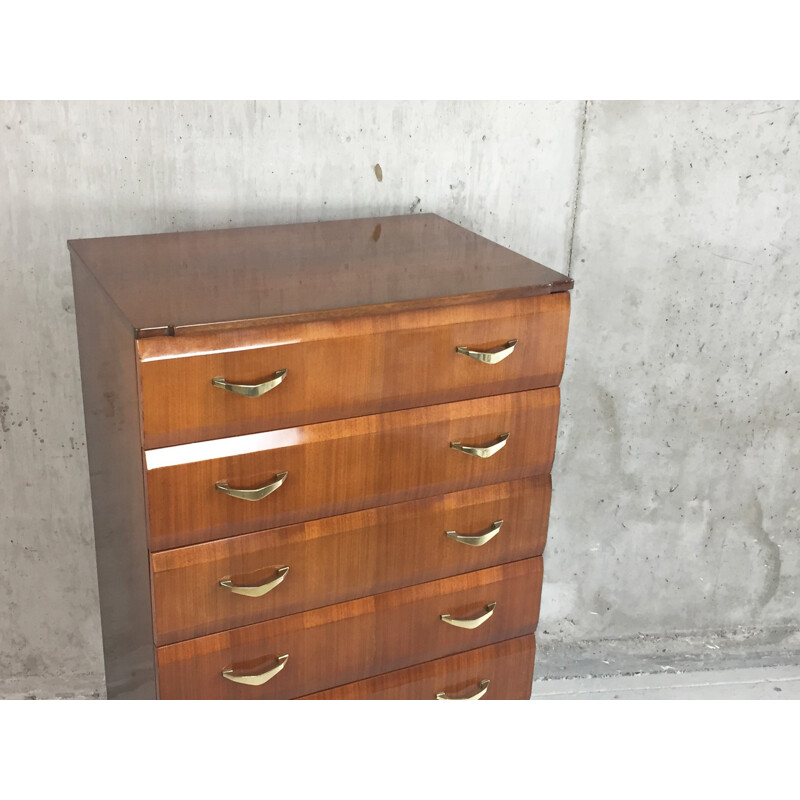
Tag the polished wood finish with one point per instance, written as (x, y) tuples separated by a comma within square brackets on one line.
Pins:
[(366, 316), (335, 559), (353, 367), (347, 465), (508, 666), (351, 641), (169, 282), (111, 406)]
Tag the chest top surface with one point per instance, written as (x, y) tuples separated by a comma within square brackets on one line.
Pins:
[(164, 283)]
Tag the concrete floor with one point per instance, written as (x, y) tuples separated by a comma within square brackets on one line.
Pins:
[(759, 683)]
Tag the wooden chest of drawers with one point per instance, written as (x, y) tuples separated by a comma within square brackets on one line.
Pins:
[(320, 458)]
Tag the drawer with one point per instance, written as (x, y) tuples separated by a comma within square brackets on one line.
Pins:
[(508, 668), (336, 467), (351, 641), (345, 368), (341, 558)]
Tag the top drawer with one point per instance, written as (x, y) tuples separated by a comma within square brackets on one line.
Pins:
[(335, 369)]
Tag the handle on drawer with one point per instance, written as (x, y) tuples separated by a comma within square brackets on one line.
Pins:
[(257, 680), (482, 452), (470, 623), (255, 390), (483, 687), (494, 356), (254, 494), (478, 539), (256, 591)]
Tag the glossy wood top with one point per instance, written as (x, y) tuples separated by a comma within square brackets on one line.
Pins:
[(168, 282)]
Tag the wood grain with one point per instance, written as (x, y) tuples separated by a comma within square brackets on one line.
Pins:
[(347, 465), (341, 558), (508, 666), (351, 641), (365, 315), (360, 366), (111, 408), (168, 282)]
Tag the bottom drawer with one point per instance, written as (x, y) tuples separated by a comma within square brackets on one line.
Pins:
[(498, 672), (335, 645)]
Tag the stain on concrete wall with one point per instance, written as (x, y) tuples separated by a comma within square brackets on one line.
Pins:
[(75, 170)]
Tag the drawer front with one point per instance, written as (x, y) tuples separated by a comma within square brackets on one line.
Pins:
[(336, 467), (353, 367), (508, 668), (351, 641), (341, 558)]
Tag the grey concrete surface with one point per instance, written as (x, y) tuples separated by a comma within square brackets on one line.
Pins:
[(763, 683), (675, 509), (675, 506), (697, 651), (74, 170)]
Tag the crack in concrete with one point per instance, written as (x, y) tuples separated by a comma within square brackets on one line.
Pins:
[(578, 185), (737, 260)]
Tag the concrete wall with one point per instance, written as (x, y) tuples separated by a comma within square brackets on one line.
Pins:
[(73, 170), (674, 532), (677, 508)]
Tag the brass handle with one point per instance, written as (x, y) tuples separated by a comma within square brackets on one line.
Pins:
[(254, 494), (478, 539), (494, 356), (483, 687), (257, 680), (470, 623), (255, 390), (256, 591), (482, 452)]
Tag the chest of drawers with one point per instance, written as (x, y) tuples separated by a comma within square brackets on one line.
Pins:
[(320, 458)]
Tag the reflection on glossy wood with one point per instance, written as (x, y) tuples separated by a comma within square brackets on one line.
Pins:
[(366, 317), (358, 366), (508, 666), (226, 276), (340, 558), (108, 380), (343, 466), (351, 641)]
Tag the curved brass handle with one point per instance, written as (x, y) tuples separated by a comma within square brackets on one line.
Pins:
[(483, 687), (256, 591), (257, 680), (255, 390), (479, 539), (494, 356), (470, 623), (482, 452), (254, 494)]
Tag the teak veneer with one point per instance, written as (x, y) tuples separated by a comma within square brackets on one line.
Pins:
[(308, 443), (334, 559), (351, 641), (346, 465), (325, 360), (507, 667)]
